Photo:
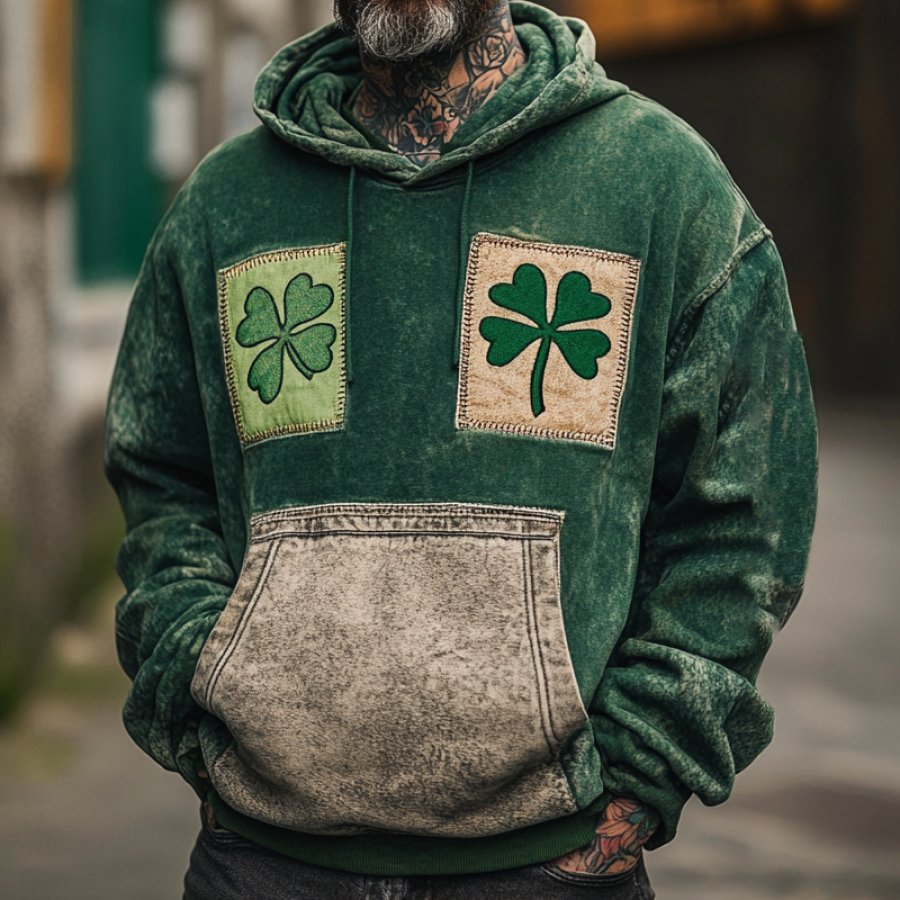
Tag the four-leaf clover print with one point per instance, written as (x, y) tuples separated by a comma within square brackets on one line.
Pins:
[(309, 349), (527, 295)]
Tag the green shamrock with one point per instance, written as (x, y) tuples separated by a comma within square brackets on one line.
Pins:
[(308, 349), (575, 302)]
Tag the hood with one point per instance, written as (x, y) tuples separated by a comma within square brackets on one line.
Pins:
[(301, 95)]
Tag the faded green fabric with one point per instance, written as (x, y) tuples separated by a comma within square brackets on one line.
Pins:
[(684, 548)]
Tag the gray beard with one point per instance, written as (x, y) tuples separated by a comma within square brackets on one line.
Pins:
[(394, 34)]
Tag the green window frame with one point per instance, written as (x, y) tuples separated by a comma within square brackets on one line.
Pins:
[(118, 197)]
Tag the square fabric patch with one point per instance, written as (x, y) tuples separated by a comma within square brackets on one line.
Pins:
[(282, 321), (545, 338)]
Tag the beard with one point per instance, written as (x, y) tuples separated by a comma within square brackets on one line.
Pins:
[(404, 30)]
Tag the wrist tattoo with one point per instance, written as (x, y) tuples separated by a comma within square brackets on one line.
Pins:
[(625, 827)]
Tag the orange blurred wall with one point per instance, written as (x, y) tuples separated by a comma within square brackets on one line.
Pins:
[(55, 152), (625, 26)]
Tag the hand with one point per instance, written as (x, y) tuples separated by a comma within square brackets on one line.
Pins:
[(621, 834), (209, 814)]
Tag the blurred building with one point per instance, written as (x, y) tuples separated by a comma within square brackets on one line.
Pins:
[(157, 84), (34, 161), (105, 107), (179, 76)]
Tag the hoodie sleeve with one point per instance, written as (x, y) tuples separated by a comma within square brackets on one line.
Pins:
[(173, 561), (724, 548)]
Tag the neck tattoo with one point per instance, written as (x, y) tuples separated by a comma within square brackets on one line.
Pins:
[(417, 107)]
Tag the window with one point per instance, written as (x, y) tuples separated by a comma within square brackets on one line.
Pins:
[(118, 197)]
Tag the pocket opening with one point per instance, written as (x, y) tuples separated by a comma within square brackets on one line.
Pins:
[(235, 638)]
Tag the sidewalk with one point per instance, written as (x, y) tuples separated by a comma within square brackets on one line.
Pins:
[(85, 816)]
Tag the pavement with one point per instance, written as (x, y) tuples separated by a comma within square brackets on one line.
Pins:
[(85, 816)]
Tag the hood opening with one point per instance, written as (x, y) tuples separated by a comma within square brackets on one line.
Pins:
[(302, 96)]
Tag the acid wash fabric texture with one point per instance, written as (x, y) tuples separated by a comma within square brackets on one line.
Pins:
[(459, 499)]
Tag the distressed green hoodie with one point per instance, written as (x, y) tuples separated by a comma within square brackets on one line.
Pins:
[(458, 499)]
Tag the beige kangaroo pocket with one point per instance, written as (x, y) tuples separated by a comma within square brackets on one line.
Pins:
[(395, 666)]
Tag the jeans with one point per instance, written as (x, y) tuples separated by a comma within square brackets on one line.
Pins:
[(226, 866)]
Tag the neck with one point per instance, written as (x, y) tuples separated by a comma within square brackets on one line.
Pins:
[(418, 106)]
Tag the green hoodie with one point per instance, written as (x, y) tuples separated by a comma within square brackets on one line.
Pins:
[(423, 604)]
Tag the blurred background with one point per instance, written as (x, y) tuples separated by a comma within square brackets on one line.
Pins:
[(105, 108)]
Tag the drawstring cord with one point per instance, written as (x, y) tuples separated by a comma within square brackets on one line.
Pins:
[(461, 270), (348, 267), (463, 250)]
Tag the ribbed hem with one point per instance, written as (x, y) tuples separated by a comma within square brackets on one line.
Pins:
[(404, 854)]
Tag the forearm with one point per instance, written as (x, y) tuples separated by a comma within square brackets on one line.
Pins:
[(174, 562), (723, 551)]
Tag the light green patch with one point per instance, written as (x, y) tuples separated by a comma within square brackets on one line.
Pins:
[(282, 316)]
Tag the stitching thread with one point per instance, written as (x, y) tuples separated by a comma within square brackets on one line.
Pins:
[(752, 240), (475, 511), (241, 626), (540, 677), (397, 532)]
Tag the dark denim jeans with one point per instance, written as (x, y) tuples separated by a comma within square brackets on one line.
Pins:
[(225, 866)]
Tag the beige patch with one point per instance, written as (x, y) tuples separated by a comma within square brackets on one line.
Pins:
[(499, 397), (395, 666)]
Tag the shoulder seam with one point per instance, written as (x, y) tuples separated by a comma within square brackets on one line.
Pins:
[(719, 279)]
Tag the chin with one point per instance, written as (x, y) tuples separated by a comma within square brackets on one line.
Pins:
[(347, 12)]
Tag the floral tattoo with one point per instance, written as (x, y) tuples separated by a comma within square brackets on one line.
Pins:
[(417, 107), (624, 829)]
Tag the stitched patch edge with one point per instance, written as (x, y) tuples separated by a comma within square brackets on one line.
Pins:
[(548, 515), (605, 439), (245, 265)]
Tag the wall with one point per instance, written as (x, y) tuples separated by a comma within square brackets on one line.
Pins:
[(805, 113), (147, 87), (34, 514)]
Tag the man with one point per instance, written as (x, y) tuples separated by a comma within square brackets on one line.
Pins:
[(467, 452)]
